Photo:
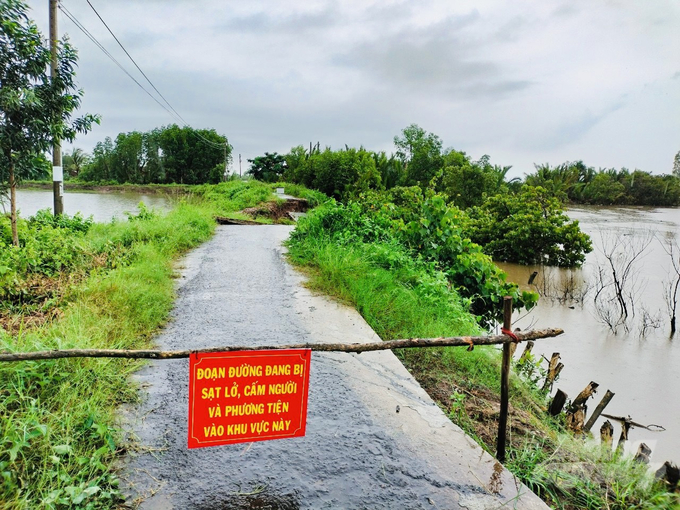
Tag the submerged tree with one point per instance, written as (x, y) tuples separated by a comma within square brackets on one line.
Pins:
[(672, 285), (34, 108)]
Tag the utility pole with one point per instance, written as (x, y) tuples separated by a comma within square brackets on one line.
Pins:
[(57, 169), (239, 165), (226, 164)]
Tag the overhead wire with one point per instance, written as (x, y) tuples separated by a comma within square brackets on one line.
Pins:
[(184, 122), (169, 108), (80, 26), (133, 60)]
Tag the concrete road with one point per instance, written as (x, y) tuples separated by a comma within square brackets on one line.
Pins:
[(359, 452)]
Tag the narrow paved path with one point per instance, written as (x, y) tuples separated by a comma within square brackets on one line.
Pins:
[(359, 452)]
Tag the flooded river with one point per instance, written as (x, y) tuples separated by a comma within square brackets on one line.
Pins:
[(102, 206), (639, 362)]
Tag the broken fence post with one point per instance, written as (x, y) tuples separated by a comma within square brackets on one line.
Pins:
[(527, 351), (554, 368), (557, 403), (576, 414), (598, 410), (625, 428), (669, 473), (607, 434), (643, 454)]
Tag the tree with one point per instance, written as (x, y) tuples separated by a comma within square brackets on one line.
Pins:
[(169, 154), (676, 165), (421, 153), (74, 162), (34, 109), (190, 155), (528, 228), (267, 168)]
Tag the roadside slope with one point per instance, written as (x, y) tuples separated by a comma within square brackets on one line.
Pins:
[(359, 451)]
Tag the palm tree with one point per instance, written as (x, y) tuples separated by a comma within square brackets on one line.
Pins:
[(75, 161)]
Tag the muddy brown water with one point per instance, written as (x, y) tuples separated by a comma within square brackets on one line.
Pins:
[(641, 367), (102, 207)]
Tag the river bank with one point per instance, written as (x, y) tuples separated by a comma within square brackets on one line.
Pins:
[(101, 285), (639, 361), (373, 276), (394, 298)]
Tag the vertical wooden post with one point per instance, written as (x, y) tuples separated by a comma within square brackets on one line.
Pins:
[(607, 434), (598, 410), (625, 428), (553, 372), (557, 403), (505, 382), (643, 454), (527, 351)]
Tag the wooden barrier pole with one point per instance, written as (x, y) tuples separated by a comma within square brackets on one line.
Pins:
[(505, 383), (454, 341)]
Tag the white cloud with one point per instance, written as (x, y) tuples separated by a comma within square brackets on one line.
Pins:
[(525, 82)]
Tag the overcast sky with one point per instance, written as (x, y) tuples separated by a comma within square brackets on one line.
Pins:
[(526, 81)]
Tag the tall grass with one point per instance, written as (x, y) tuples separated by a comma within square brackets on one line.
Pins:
[(403, 297), (58, 434)]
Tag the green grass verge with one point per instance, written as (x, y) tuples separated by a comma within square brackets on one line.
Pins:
[(58, 435), (401, 297)]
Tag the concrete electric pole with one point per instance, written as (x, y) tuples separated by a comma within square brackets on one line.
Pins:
[(57, 169)]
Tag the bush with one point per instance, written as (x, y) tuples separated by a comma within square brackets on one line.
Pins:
[(528, 228), (433, 242)]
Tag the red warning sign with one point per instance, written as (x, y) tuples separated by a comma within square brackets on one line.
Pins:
[(244, 396)]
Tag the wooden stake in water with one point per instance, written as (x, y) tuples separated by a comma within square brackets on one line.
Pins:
[(505, 382)]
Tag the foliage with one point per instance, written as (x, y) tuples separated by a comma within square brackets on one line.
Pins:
[(528, 228), (467, 182), (578, 183), (170, 154), (58, 434), (335, 173), (421, 154), (267, 168), (34, 108), (74, 162), (570, 475), (234, 195), (427, 231)]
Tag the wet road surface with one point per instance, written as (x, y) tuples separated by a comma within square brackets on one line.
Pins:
[(359, 452)]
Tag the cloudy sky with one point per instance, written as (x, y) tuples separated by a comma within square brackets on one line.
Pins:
[(526, 81)]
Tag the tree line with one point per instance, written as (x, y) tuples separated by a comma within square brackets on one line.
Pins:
[(420, 160), (170, 154)]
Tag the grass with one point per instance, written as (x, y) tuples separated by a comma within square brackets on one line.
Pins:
[(401, 298), (58, 417)]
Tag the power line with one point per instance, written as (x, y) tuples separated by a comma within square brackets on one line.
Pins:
[(173, 113), (214, 144), (92, 38), (133, 61)]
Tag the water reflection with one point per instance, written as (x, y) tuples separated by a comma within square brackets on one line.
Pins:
[(638, 361)]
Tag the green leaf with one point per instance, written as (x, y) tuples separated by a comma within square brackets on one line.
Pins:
[(62, 449)]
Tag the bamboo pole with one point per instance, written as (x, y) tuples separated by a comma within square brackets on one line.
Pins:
[(456, 341)]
